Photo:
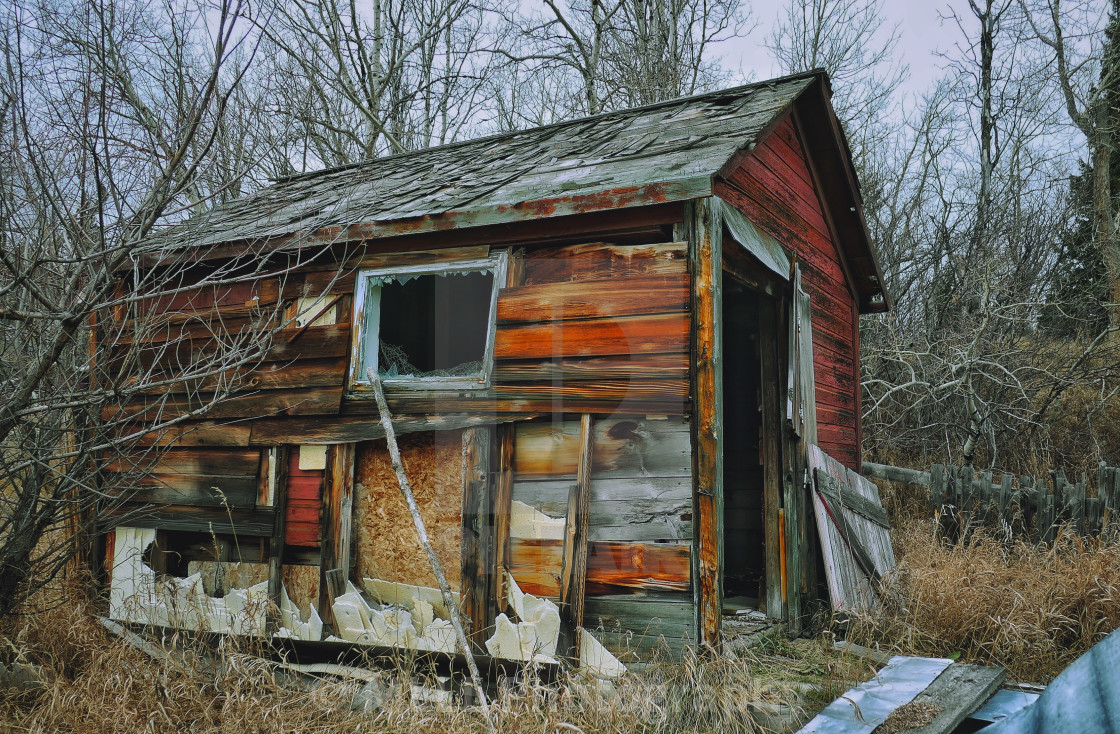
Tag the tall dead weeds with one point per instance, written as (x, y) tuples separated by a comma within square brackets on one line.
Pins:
[(98, 683), (1030, 608)]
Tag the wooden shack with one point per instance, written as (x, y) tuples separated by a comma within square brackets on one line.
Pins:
[(617, 334)]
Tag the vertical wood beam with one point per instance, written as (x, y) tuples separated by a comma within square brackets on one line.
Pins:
[(800, 430), (573, 573), (705, 258), (276, 542), (335, 522), (477, 598), (770, 450), (502, 504)]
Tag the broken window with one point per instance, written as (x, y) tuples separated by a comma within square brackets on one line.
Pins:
[(431, 324)]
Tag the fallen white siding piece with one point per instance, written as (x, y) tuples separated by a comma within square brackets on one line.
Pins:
[(132, 582), (519, 641), (246, 608), (439, 636), (526, 521), (406, 595), (543, 614), (866, 706), (596, 660)]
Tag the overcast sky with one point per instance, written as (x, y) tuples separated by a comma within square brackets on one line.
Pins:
[(922, 34)]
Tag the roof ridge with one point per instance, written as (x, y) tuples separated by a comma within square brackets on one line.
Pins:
[(730, 91)]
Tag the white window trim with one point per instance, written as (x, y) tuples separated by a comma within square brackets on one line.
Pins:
[(364, 338)]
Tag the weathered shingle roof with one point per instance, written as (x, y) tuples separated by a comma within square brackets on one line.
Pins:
[(668, 151)]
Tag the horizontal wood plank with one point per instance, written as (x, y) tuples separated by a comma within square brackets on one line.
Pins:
[(635, 447), (610, 565), (653, 334), (601, 261), (628, 368), (620, 296)]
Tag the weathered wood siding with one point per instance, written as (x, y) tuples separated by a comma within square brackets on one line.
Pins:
[(640, 522), (305, 497), (774, 188)]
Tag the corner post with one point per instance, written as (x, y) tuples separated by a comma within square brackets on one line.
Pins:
[(704, 228)]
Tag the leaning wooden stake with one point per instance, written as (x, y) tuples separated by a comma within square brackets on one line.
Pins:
[(410, 500)]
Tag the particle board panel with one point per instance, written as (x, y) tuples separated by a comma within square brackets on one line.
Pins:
[(384, 534)]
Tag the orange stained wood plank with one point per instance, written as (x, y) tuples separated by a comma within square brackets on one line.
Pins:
[(594, 338), (651, 566), (621, 296)]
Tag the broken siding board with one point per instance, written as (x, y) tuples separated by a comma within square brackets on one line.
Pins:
[(850, 586), (182, 345), (958, 691), (191, 434), (192, 461), (272, 376), (201, 490), (624, 447)]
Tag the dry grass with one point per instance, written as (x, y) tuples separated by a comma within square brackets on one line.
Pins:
[(100, 684), (1031, 609)]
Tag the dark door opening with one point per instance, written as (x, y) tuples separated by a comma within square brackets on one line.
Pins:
[(744, 531)]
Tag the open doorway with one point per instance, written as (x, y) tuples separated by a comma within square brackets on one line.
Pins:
[(744, 531)]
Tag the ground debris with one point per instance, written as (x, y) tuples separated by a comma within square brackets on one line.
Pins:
[(909, 716)]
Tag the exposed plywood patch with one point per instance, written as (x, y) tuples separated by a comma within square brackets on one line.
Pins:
[(219, 577), (302, 583), (384, 534)]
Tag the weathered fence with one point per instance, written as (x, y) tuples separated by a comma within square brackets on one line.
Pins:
[(1030, 505)]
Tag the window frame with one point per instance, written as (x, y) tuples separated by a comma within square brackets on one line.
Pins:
[(366, 331)]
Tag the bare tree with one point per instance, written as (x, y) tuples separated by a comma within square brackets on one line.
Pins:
[(622, 53), (396, 75), (1083, 38), (849, 40), (111, 114)]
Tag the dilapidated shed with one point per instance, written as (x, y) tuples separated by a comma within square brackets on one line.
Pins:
[(607, 344)]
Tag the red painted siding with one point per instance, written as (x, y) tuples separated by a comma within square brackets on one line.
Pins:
[(305, 492), (774, 189)]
